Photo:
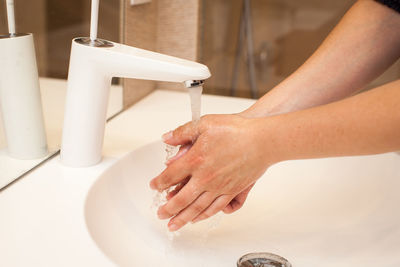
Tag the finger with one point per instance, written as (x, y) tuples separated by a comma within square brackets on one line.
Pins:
[(182, 135), (220, 203), (189, 213), (233, 206), (182, 151), (180, 201), (172, 175), (238, 201), (177, 189)]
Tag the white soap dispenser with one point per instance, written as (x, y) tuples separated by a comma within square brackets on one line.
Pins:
[(20, 100)]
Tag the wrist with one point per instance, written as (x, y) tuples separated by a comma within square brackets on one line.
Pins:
[(253, 112), (270, 137), (246, 114)]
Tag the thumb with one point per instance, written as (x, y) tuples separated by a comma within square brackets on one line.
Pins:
[(185, 134)]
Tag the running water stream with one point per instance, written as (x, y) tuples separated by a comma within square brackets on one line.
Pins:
[(195, 104), (159, 199)]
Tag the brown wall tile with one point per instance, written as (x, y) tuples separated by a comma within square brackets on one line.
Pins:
[(165, 26), (140, 26)]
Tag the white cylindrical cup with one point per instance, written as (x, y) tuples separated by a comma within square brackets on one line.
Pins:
[(20, 100)]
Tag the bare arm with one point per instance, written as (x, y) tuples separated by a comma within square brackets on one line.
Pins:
[(368, 123), (361, 47)]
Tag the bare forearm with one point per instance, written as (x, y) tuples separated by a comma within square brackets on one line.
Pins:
[(368, 123), (364, 44)]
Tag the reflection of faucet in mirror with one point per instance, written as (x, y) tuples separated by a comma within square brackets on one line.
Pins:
[(93, 63), (20, 99)]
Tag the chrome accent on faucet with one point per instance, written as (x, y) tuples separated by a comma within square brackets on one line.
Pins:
[(193, 83), (9, 35), (96, 43)]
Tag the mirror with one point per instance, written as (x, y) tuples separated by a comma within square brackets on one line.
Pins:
[(54, 24)]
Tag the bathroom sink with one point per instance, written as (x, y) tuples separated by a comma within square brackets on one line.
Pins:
[(316, 213)]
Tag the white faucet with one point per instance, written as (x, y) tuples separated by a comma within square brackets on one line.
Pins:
[(92, 66)]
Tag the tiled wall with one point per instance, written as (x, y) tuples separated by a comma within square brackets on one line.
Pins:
[(166, 26), (139, 28)]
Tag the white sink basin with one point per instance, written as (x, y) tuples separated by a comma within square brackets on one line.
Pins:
[(334, 212)]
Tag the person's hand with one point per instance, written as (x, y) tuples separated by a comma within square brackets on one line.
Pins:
[(219, 162), (235, 204)]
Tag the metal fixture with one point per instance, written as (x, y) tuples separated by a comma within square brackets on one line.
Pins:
[(96, 43), (262, 260), (194, 83)]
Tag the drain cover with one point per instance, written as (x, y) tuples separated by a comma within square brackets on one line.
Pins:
[(262, 260)]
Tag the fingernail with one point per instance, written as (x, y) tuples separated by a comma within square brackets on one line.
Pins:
[(167, 136), (173, 227)]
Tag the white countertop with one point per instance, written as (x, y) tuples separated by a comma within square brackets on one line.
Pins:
[(42, 222)]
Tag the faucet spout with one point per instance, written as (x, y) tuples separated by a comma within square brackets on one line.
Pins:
[(92, 66), (194, 83)]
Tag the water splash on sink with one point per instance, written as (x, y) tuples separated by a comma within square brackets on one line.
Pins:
[(170, 151)]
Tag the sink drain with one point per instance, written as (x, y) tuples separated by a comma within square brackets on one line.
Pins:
[(262, 260)]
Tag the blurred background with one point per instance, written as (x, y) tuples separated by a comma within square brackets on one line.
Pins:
[(249, 45), (284, 34)]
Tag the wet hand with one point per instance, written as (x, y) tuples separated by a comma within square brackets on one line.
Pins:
[(219, 162)]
